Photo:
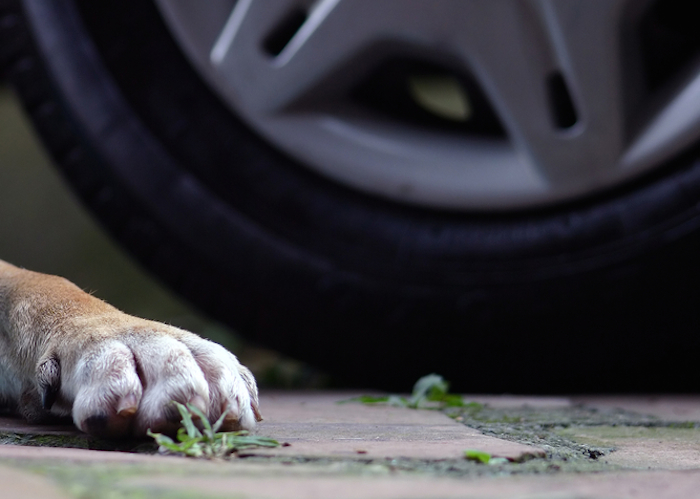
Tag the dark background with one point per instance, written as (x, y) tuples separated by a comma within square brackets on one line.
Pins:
[(44, 228)]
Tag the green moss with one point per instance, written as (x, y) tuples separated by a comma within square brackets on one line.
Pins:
[(44, 440), (79, 441)]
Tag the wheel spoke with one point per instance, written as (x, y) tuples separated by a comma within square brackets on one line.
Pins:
[(330, 33), (551, 69), (673, 128)]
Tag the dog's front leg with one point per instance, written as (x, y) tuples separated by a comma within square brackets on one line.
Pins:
[(65, 352)]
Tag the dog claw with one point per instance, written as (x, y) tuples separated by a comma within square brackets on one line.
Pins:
[(128, 406), (199, 402)]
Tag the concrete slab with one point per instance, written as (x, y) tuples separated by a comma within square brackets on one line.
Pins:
[(646, 448), (666, 407), (316, 425), (520, 401)]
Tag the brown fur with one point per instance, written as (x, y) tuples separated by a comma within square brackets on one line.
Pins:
[(64, 352)]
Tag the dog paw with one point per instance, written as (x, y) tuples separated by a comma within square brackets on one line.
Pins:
[(118, 376)]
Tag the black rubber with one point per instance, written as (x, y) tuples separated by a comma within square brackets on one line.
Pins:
[(598, 295)]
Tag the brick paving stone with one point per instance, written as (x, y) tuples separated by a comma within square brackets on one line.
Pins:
[(287, 485), (65, 455), (18, 484), (315, 424)]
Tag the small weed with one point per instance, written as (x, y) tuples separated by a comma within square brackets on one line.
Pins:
[(429, 392), (483, 457), (209, 442)]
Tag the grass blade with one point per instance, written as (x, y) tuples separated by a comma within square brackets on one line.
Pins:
[(187, 422)]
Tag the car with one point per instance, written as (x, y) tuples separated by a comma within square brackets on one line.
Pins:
[(504, 192)]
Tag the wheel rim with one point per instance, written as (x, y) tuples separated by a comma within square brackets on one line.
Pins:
[(564, 80)]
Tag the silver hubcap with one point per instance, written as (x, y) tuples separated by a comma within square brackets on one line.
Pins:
[(552, 71)]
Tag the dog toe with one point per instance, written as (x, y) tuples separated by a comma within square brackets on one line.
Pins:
[(107, 390), (232, 387)]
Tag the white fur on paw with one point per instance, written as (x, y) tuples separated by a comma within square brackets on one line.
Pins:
[(232, 388), (169, 373), (124, 382), (105, 389)]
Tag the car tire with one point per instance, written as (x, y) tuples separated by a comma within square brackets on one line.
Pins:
[(596, 294)]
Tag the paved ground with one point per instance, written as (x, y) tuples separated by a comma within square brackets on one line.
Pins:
[(557, 448)]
